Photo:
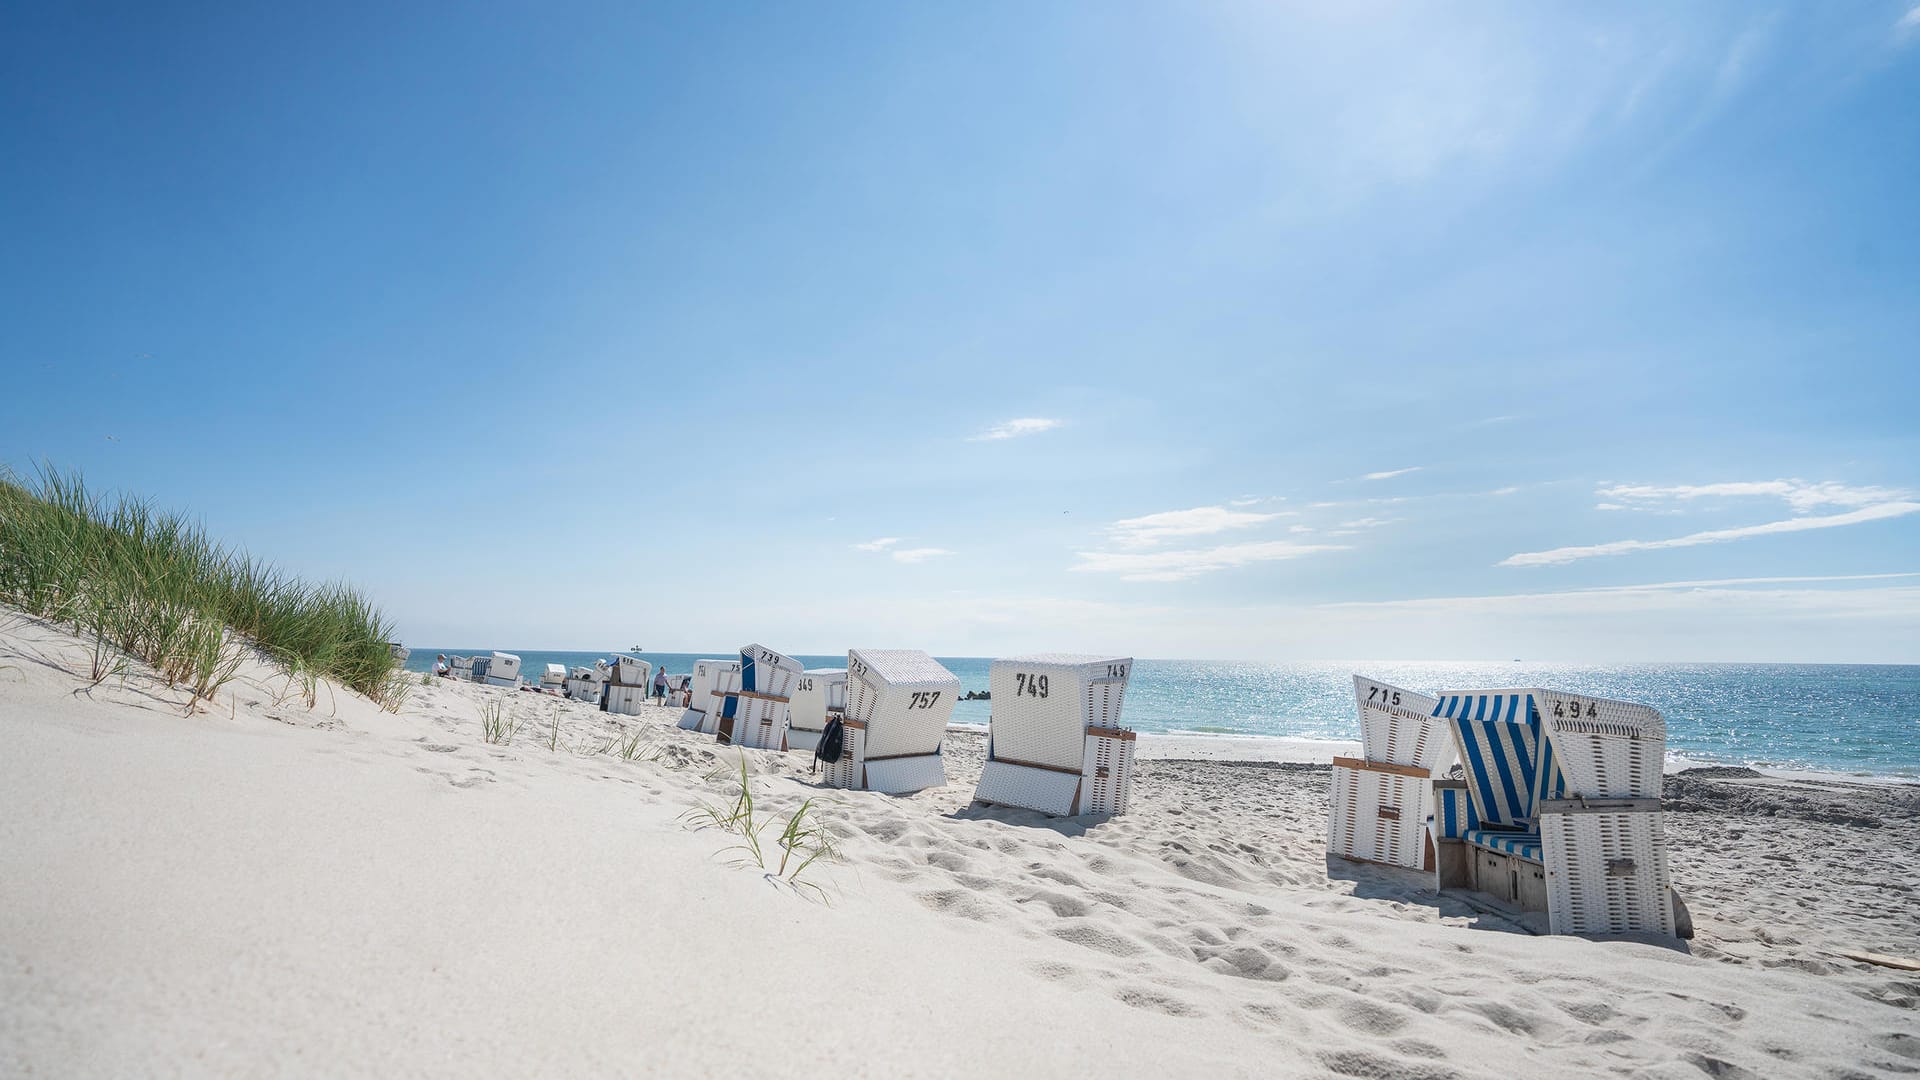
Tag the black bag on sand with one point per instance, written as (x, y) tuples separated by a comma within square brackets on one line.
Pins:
[(833, 742)]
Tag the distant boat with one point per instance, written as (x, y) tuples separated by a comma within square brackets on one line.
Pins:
[(636, 648)]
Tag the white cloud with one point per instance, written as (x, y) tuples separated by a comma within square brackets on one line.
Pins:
[(881, 544), (1013, 429), (1558, 556), (1367, 523), (1300, 528), (1149, 530), (919, 555), (1391, 473), (1609, 506), (1184, 565), (1908, 25), (1802, 496)]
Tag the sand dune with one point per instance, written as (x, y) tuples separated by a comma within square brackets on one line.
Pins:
[(271, 888)]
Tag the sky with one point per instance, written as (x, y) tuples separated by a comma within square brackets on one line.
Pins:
[(1266, 331)]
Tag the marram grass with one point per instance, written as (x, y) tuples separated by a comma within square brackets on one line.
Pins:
[(138, 581)]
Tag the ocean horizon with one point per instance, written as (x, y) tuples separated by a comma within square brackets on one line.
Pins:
[(1855, 719)]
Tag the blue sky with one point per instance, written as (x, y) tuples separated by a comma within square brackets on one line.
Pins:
[(1251, 331)]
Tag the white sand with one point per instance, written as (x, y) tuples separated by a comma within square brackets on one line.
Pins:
[(266, 889)]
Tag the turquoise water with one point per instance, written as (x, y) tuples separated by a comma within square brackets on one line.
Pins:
[(1831, 717)]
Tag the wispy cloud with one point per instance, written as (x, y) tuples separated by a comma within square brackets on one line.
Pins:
[(1013, 429), (1907, 26), (1802, 496), (1558, 556), (881, 544), (1731, 595), (1367, 523), (918, 555), (1185, 565), (1151, 529), (1391, 473)]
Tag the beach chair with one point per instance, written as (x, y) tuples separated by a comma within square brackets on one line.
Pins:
[(898, 702), (711, 678), (554, 678), (1585, 846), (461, 667), (628, 686), (587, 684), (1379, 811), (503, 669), (820, 694), (1054, 740), (753, 709)]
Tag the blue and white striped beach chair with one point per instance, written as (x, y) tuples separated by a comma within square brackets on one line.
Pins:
[(1508, 827)]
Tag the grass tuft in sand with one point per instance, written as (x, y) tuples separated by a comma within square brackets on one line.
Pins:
[(137, 581)]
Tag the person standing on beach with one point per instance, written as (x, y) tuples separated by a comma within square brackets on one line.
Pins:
[(660, 684)]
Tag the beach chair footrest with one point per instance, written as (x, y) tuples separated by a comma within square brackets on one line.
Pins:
[(1049, 791)]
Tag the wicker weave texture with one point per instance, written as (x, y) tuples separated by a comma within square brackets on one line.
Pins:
[(773, 672), (801, 740), (631, 670), (1398, 726), (1606, 872), (1607, 749), (905, 775), (706, 679), (1043, 705), (1378, 817), (904, 696), (1107, 779), (1006, 784), (849, 771), (815, 692), (760, 723), (626, 700), (587, 690)]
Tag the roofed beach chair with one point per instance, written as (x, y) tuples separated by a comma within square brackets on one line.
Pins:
[(1054, 740), (898, 702), (703, 710), (554, 678), (503, 669), (460, 667), (1379, 807), (628, 687), (587, 684), (1586, 845), (753, 710), (818, 695)]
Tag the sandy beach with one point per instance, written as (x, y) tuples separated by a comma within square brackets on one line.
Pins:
[(267, 888)]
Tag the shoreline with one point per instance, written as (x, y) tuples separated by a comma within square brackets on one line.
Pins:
[(1285, 749)]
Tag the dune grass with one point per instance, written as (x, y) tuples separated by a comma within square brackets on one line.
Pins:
[(137, 581)]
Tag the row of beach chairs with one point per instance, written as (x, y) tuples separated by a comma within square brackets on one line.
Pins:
[(1055, 743), (1556, 807)]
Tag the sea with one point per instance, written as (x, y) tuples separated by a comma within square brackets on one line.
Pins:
[(1851, 719)]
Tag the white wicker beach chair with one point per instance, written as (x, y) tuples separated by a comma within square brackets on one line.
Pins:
[(753, 709), (554, 677), (818, 695), (898, 702), (461, 667), (1379, 803), (503, 669), (629, 684), (1054, 741), (586, 684), (709, 677), (1559, 809)]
